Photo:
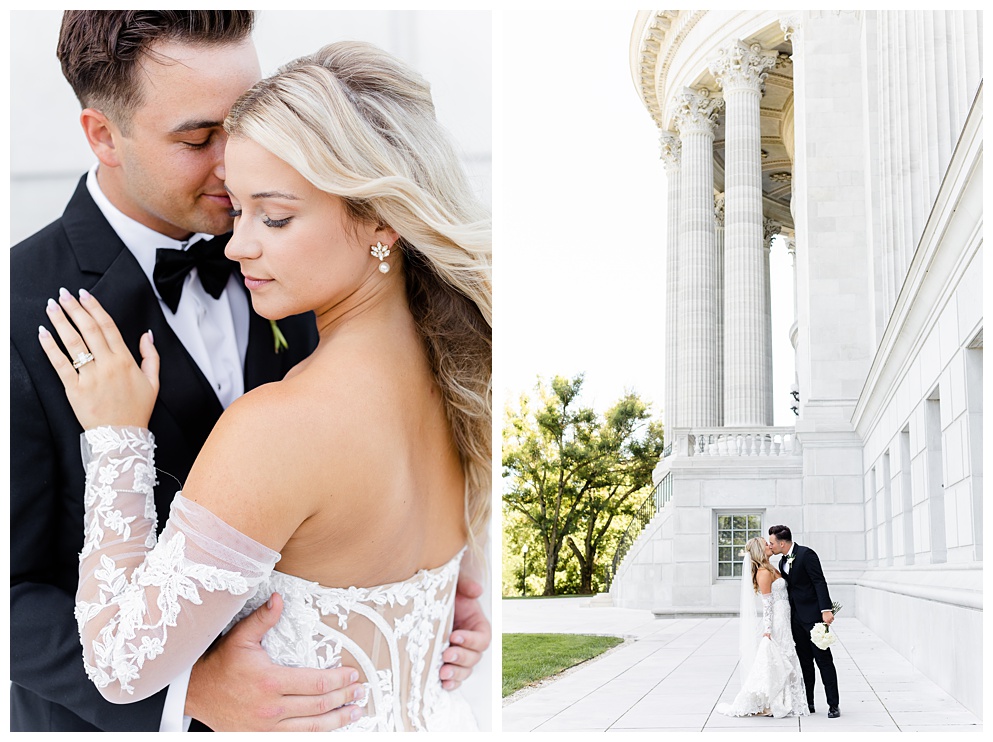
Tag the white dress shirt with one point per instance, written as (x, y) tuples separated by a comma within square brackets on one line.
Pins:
[(214, 333), (784, 563)]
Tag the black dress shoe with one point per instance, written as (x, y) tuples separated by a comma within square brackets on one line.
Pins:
[(834, 712), (810, 706)]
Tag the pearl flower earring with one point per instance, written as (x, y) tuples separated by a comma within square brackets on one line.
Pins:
[(381, 251)]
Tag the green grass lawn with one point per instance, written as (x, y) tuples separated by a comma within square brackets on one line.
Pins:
[(528, 658)]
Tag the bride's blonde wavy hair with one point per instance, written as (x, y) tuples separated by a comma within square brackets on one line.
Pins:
[(755, 549), (360, 124)]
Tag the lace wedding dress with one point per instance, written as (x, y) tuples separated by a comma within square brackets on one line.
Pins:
[(147, 608), (774, 683)]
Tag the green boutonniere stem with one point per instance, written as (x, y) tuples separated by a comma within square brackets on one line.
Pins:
[(278, 339)]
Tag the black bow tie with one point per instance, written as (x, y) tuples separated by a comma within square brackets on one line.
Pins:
[(172, 266)]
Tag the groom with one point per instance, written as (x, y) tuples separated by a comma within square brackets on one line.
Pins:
[(155, 87), (810, 604)]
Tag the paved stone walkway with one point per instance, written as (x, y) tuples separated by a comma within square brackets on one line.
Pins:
[(672, 674)]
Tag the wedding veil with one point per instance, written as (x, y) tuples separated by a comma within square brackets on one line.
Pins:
[(748, 626)]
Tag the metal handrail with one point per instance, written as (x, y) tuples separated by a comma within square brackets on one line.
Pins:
[(647, 510)]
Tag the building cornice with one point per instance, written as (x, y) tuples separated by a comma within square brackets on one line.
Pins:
[(663, 30)]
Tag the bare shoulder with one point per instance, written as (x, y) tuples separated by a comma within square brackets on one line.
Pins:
[(765, 578), (250, 470), (285, 432), (262, 424)]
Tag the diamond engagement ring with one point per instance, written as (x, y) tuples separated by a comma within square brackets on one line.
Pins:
[(81, 360)]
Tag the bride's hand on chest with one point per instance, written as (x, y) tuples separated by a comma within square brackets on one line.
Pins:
[(103, 383)]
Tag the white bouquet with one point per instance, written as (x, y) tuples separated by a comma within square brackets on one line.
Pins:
[(821, 635)]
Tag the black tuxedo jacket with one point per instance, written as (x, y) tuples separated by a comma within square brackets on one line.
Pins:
[(807, 587), (49, 690)]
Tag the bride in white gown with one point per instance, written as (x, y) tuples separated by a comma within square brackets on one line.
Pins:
[(366, 472), (771, 681)]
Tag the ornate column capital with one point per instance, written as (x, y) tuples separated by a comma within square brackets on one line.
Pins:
[(791, 27), (719, 210), (770, 228), (697, 110), (671, 149), (741, 66), (790, 237)]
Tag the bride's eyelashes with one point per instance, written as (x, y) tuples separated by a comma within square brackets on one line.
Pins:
[(276, 223), (273, 223)]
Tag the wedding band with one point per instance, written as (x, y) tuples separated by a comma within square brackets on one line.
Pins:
[(81, 360)]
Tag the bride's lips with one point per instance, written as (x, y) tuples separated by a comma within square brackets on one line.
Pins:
[(256, 283)]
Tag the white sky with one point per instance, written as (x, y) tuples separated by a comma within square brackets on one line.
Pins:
[(580, 217)]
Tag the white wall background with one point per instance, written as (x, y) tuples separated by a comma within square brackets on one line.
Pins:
[(48, 153)]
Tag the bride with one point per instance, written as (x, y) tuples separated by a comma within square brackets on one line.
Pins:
[(366, 472), (771, 682)]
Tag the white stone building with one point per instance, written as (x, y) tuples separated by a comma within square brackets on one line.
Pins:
[(857, 136)]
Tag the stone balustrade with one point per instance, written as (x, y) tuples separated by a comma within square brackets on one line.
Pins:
[(739, 442)]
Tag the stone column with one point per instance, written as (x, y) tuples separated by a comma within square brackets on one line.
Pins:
[(695, 118), (740, 71), (790, 238), (669, 143), (719, 232), (770, 229)]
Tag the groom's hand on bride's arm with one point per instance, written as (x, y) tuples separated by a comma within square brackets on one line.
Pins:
[(236, 687), (471, 635)]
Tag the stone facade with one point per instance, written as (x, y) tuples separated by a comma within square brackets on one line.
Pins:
[(857, 137)]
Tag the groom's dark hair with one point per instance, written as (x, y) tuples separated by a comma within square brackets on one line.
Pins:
[(781, 532), (101, 50)]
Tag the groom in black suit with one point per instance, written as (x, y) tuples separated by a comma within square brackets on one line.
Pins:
[(155, 87), (810, 604)]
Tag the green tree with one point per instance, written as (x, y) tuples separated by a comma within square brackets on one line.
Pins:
[(566, 467), (630, 445), (518, 566)]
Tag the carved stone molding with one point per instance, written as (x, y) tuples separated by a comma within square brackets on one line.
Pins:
[(719, 210), (656, 38), (741, 66), (659, 42), (770, 228), (782, 162), (670, 149), (697, 110), (791, 27), (790, 237)]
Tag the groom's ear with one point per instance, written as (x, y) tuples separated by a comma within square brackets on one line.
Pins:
[(102, 135)]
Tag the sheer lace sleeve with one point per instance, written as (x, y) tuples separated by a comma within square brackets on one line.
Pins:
[(767, 601), (146, 611)]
